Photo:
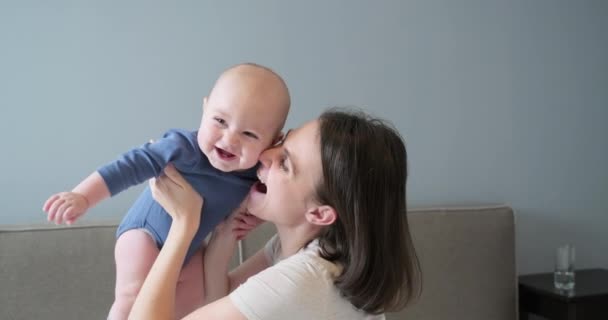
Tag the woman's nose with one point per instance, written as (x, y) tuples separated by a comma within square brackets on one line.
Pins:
[(267, 155)]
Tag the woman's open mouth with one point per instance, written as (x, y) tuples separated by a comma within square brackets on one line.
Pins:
[(260, 187)]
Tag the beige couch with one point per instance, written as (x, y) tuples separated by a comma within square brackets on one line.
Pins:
[(467, 256)]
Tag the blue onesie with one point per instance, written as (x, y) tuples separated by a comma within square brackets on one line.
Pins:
[(222, 191)]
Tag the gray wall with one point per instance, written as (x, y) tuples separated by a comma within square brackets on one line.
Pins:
[(499, 101)]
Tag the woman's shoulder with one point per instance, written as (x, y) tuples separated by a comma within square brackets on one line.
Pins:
[(309, 260), (305, 270), (302, 285), (309, 255), (319, 275)]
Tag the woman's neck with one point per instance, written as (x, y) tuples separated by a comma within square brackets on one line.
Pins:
[(294, 239)]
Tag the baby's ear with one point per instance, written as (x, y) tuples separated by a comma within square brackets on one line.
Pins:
[(204, 102)]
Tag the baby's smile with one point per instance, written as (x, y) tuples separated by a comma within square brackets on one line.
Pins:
[(224, 155)]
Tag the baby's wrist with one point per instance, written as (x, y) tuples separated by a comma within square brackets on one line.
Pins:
[(85, 200)]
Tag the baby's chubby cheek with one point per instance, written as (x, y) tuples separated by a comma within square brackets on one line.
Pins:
[(249, 162)]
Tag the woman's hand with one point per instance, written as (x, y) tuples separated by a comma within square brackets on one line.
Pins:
[(238, 224), (177, 197)]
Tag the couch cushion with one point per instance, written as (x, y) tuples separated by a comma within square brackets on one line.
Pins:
[(48, 273)]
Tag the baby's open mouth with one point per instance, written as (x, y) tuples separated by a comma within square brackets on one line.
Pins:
[(224, 154)]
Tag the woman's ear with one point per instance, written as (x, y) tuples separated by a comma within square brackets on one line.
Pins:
[(322, 215)]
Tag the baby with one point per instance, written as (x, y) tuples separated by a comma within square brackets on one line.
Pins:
[(243, 115)]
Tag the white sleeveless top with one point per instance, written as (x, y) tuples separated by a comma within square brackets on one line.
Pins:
[(299, 287)]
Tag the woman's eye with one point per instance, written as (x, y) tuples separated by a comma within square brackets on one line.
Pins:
[(283, 164)]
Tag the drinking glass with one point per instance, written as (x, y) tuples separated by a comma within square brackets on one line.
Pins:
[(563, 275)]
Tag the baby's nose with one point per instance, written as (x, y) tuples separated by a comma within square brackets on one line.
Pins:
[(232, 139)]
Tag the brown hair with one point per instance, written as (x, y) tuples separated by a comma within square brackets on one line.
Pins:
[(364, 179)]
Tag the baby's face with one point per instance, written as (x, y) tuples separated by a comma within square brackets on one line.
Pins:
[(236, 127)]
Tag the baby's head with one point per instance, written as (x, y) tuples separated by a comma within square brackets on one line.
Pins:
[(243, 115)]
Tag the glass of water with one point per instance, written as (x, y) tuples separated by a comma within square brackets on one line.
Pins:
[(563, 276)]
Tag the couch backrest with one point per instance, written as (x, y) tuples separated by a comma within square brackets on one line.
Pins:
[(467, 257), (468, 264), (56, 272)]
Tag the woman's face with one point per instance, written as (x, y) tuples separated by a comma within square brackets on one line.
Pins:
[(289, 173)]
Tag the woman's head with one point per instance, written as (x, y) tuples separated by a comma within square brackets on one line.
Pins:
[(364, 164), (289, 174), (344, 176)]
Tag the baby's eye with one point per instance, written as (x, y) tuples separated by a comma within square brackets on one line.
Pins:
[(220, 120), (280, 140), (250, 135)]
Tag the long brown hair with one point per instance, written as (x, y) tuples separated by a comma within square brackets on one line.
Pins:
[(364, 179)]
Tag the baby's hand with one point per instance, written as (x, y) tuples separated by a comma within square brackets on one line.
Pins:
[(242, 223), (65, 207)]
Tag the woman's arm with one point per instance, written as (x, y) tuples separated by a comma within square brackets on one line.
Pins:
[(156, 299), (218, 282), (219, 250), (216, 261), (224, 308)]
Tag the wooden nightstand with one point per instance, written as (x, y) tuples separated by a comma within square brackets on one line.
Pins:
[(588, 300)]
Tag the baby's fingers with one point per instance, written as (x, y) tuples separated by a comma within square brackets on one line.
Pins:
[(60, 214), (54, 209), (49, 202), (251, 220), (71, 214), (240, 235), (65, 206), (59, 217)]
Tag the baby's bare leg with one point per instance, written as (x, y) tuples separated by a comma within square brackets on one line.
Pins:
[(135, 252), (189, 294)]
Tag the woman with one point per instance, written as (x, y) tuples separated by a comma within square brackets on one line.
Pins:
[(335, 189)]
